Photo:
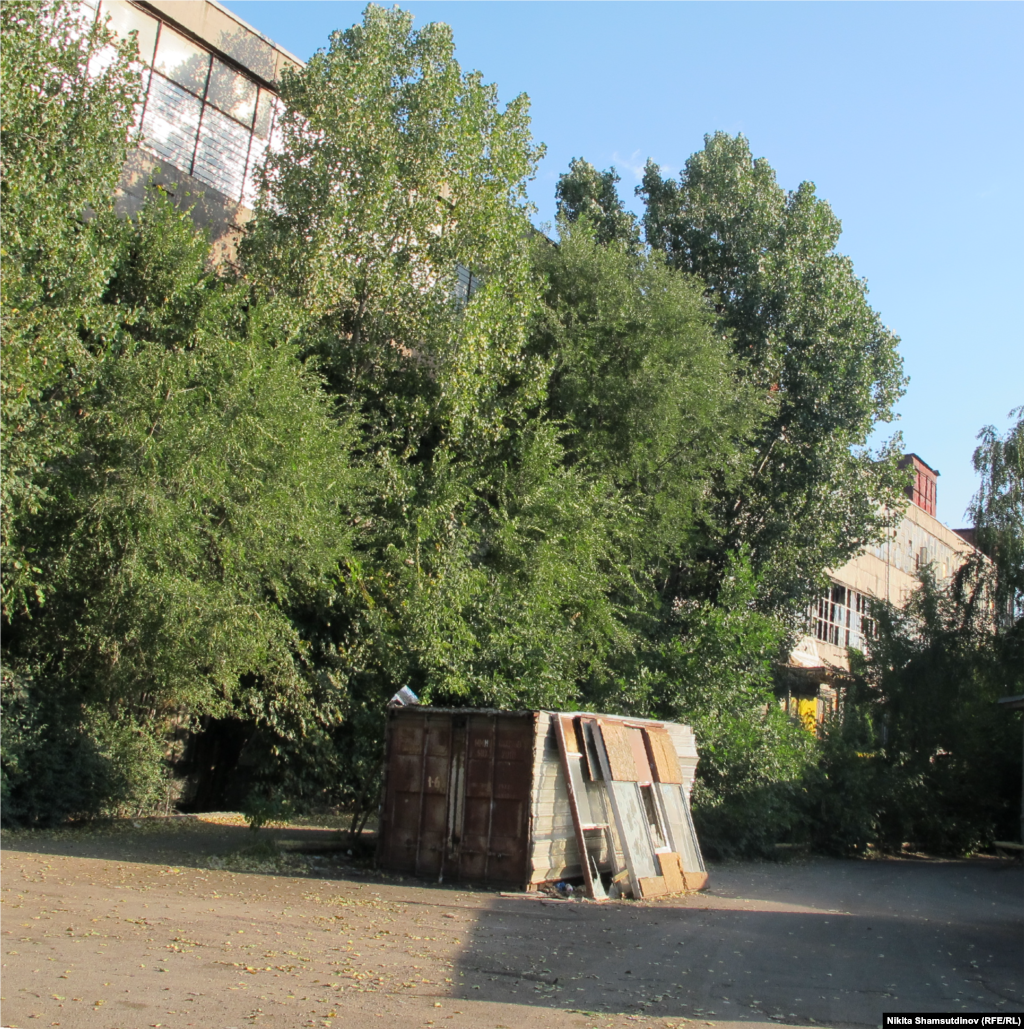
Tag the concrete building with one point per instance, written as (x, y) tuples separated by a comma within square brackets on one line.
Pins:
[(209, 115), (209, 111), (841, 616)]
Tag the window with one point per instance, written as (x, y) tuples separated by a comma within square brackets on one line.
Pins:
[(200, 114), (467, 282), (842, 617)]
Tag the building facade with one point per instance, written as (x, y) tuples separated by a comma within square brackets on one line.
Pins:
[(209, 112), (841, 617)]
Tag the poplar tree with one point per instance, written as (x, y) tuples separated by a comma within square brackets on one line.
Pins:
[(799, 320), (67, 107)]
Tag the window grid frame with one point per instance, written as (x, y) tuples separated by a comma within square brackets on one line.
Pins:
[(247, 170), (842, 618)]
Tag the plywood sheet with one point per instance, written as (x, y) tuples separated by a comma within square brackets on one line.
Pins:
[(652, 886), (672, 872), (695, 880), (619, 752), (664, 761), (638, 745)]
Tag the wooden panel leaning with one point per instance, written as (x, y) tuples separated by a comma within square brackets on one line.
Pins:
[(662, 752), (565, 734), (672, 872), (620, 754)]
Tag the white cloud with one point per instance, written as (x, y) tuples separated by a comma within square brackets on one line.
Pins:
[(634, 164)]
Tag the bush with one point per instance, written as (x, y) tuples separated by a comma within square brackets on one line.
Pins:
[(59, 760)]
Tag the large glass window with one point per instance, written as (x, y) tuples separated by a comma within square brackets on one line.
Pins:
[(125, 19), (842, 617), (182, 61), (200, 114)]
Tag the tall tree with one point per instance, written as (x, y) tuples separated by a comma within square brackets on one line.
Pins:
[(799, 319), (398, 178), (584, 192), (202, 501), (67, 107), (396, 171), (997, 510), (647, 392)]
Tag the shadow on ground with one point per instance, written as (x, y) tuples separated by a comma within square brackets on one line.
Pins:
[(215, 840), (827, 942)]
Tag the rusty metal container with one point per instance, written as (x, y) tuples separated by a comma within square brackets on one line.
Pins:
[(480, 796), (457, 794)]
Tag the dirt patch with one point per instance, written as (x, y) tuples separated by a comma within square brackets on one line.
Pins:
[(199, 922)]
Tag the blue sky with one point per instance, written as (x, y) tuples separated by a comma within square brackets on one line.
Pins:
[(908, 117)]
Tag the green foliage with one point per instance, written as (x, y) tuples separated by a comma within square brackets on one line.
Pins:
[(202, 500), (61, 759), (66, 102), (486, 568), (584, 192), (718, 675), (997, 511), (646, 391), (799, 320), (204, 497), (925, 755), (396, 168)]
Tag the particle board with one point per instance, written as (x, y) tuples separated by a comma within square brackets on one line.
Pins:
[(618, 751)]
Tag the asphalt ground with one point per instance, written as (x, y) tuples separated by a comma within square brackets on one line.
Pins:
[(186, 924)]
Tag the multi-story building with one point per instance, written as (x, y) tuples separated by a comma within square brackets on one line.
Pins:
[(208, 117), (209, 111), (841, 617)]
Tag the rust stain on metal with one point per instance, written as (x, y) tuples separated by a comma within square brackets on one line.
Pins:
[(457, 795)]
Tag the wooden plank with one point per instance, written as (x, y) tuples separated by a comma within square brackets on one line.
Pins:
[(641, 760), (664, 762), (695, 880), (595, 888), (618, 751), (652, 886), (672, 872), (569, 734)]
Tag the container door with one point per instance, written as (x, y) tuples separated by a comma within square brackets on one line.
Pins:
[(415, 814)]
